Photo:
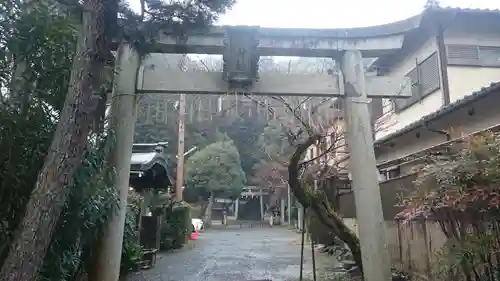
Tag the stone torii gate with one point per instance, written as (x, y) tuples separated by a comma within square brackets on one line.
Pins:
[(241, 48)]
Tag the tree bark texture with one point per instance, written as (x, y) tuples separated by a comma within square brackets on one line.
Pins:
[(17, 96), (67, 150), (320, 205), (207, 214)]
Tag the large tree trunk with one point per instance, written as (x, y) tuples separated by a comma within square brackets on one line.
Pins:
[(68, 146), (207, 214), (320, 205)]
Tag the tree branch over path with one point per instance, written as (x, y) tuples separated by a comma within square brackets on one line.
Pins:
[(319, 203), (305, 127)]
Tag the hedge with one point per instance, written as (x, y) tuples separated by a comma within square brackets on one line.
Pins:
[(176, 227)]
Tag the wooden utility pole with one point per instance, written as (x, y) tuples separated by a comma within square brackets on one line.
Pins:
[(179, 183), (282, 210), (289, 204), (362, 165), (123, 118)]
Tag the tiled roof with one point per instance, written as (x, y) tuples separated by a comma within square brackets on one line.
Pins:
[(465, 10), (484, 92)]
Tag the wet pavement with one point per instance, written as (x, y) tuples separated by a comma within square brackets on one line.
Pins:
[(233, 255)]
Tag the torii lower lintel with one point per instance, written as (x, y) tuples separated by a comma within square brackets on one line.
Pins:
[(171, 81)]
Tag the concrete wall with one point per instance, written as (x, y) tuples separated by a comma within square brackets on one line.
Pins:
[(465, 80), (412, 245), (390, 191)]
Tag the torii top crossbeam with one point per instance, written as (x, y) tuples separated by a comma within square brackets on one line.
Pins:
[(242, 46), (373, 41)]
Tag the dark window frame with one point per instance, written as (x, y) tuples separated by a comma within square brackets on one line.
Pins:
[(394, 172), (423, 84)]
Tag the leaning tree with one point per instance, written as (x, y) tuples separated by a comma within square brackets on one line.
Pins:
[(45, 40), (457, 188), (300, 125), (216, 169), (97, 29)]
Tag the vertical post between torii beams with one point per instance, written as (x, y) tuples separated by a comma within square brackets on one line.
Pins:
[(363, 168)]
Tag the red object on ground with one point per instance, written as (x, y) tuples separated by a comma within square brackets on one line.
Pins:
[(194, 235)]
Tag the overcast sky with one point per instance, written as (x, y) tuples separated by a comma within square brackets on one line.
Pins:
[(331, 13)]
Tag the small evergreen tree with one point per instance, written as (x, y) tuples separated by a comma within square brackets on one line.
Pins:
[(214, 170)]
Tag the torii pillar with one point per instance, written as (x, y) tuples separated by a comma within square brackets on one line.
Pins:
[(362, 165)]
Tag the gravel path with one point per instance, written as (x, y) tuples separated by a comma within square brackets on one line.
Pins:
[(233, 255)]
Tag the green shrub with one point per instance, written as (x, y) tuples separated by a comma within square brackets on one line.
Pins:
[(131, 250), (196, 210), (176, 227), (91, 202)]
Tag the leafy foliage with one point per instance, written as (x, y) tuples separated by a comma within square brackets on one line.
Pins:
[(92, 201), (473, 257), (155, 125), (158, 122), (216, 168), (176, 227), (24, 144), (465, 178), (176, 17), (458, 188), (245, 133), (131, 250), (271, 170), (270, 174), (46, 42), (38, 41)]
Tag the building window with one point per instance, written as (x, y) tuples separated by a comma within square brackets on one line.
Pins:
[(394, 172), (337, 104), (473, 55), (425, 80)]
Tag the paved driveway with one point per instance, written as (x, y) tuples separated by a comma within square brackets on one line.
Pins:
[(233, 255)]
